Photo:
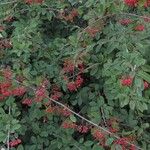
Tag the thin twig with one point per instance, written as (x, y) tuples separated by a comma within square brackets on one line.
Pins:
[(103, 116), (135, 15)]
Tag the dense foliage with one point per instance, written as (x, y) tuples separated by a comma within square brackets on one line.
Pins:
[(90, 55)]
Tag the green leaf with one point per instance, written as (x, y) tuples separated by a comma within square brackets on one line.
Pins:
[(97, 147), (145, 76), (132, 104), (146, 68), (125, 102), (109, 141), (73, 118), (88, 143), (20, 147), (2, 136)]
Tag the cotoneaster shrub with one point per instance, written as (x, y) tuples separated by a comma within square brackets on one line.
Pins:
[(91, 56)]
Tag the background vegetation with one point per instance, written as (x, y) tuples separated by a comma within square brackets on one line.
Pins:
[(90, 56)]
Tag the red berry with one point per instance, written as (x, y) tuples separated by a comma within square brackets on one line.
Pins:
[(65, 112), (147, 4), (19, 91), (7, 73), (56, 96), (125, 22), (139, 28), (14, 142), (85, 129), (5, 85), (19, 141), (98, 135), (146, 85), (6, 92), (81, 67), (146, 18), (79, 81), (34, 1), (74, 13), (27, 101), (71, 86), (68, 125), (122, 141), (131, 3), (127, 81), (132, 147), (40, 92), (92, 31)]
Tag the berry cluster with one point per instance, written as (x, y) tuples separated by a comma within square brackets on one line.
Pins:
[(34, 1), (74, 85), (131, 3), (58, 110), (147, 3), (56, 94), (125, 21), (124, 143), (27, 102), (69, 69), (14, 142), (79, 128), (139, 27), (127, 81), (40, 94), (146, 85), (134, 3), (92, 31), (6, 87), (113, 125), (7, 90), (69, 17), (5, 43), (98, 135)]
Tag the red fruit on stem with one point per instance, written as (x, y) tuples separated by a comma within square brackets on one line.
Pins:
[(79, 81), (81, 67), (71, 86), (34, 1), (98, 135), (65, 112), (85, 129), (127, 81), (74, 13), (139, 28), (122, 141), (92, 31), (132, 147), (6, 93), (27, 101), (19, 91), (5, 85), (147, 4), (131, 3), (7, 73), (40, 92), (146, 85), (125, 22)]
